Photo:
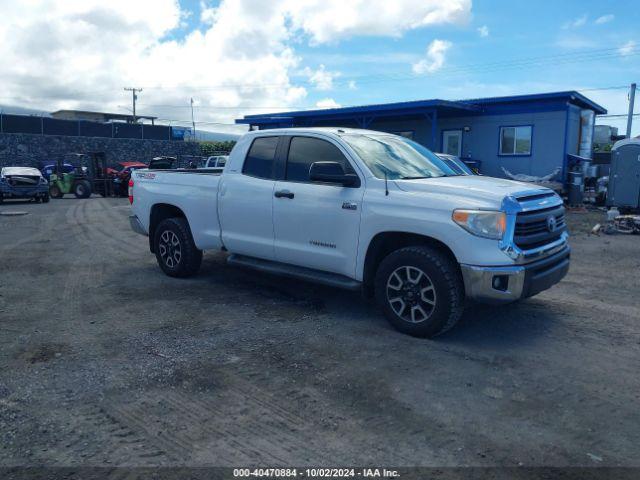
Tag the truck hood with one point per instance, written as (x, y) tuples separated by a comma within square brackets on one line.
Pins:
[(476, 190)]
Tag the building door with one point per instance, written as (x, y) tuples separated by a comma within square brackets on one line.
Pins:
[(452, 142)]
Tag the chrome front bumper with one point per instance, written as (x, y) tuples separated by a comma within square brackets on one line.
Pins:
[(136, 226), (505, 284)]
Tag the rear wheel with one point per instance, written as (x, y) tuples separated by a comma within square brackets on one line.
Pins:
[(420, 291), (82, 189), (55, 192), (175, 250)]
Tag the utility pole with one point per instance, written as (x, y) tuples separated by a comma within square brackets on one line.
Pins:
[(134, 97), (193, 122), (632, 97)]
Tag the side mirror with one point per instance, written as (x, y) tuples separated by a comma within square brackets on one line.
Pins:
[(332, 172)]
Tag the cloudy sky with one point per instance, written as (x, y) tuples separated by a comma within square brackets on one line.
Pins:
[(236, 57)]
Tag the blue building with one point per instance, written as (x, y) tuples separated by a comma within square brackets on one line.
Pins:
[(530, 134)]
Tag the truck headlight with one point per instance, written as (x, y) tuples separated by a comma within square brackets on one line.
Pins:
[(481, 223)]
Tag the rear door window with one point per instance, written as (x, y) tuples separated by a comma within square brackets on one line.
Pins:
[(261, 158), (303, 151)]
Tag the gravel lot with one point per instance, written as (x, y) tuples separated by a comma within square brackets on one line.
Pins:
[(106, 361)]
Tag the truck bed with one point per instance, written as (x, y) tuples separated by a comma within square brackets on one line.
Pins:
[(193, 191)]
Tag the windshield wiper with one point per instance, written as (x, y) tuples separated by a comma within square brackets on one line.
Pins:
[(412, 178)]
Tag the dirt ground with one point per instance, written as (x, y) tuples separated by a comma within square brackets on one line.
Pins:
[(106, 361)]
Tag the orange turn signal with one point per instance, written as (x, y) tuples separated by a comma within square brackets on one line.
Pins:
[(460, 216), (502, 223)]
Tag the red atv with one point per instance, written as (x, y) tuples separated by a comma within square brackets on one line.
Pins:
[(122, 175)]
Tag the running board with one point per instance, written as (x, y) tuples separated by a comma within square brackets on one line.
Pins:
[(302, 273)]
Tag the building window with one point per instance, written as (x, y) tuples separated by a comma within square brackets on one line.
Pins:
[(515, 140)]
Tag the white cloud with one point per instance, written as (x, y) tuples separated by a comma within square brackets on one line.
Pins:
[(327, 103), (435, 57), (352, 85), (331, 20), (240, 59), (207, 13), (483, 31), (628, 48), (576, 22), (576, 42), (605, 19), (321, 79)]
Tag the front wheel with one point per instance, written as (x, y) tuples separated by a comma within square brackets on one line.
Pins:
[(420, 291), (55, 192), (82, 189), (45, 198), (175, 250)]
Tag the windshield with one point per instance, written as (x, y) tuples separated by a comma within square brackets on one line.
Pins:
[(398, 157), (456, 164)]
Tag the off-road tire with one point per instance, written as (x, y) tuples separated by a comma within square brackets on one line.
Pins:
[(45, 198), (447, 287), (55, 192), (82, 189), (190, 258)]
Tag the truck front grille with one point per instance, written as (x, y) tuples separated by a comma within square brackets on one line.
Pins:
[(536, 228)]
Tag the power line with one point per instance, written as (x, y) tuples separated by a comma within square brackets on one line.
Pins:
[(261, 107), (212, 107), (557, 59), (620, 87), (565, 58), (307, 107), (616, 115)]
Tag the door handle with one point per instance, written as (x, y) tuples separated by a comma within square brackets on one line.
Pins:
[(284, 193)]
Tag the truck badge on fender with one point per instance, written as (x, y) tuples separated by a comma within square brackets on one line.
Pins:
[(322, 244)]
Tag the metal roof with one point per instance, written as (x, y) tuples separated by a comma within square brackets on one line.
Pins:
[(444, 108), (570, 95), (107, 115), (417, 106)]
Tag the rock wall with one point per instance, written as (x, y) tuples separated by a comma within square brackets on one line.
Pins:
[(37, 150)]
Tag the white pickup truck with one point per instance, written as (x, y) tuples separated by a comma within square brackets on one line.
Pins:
[(363, 210)]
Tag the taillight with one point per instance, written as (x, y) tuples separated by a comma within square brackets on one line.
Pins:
[(131, 191)]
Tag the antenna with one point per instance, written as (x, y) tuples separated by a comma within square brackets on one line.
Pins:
[(386, 184)]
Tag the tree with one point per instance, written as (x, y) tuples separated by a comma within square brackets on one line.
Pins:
[(213, 148)]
